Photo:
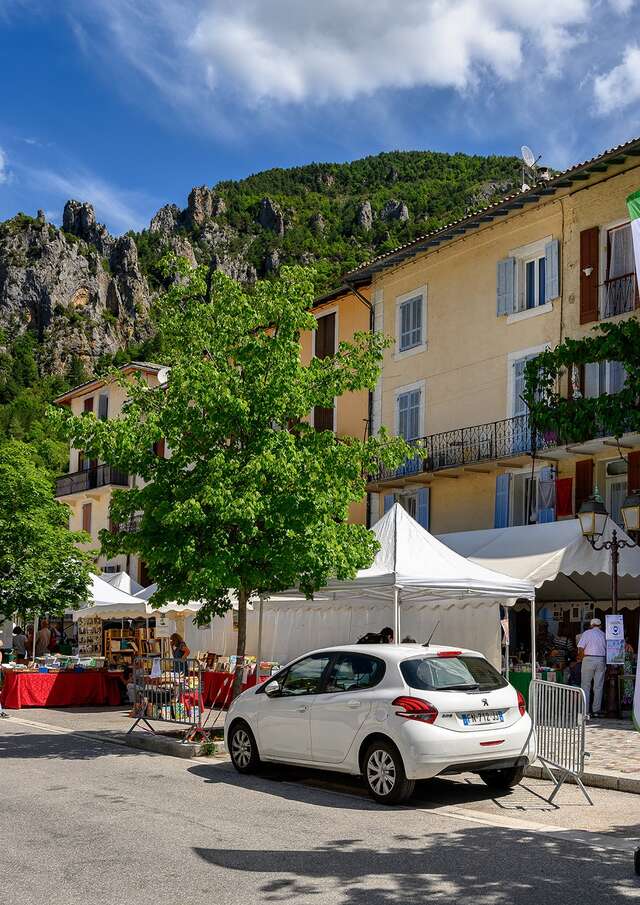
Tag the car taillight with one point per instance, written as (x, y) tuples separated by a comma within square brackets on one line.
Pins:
[(522, 704), (449, 653), (415, 709)]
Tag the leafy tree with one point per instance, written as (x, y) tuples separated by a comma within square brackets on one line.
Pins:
[(252, 498), (41, 568)]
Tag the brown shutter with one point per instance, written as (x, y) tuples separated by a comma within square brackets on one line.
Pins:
[(86, 517), (88, 404), (158, 448), (633, 472), (326, 336), (584, 482), (589, 257), (323, 418)]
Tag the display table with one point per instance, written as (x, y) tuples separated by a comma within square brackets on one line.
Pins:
[(217, 687), (59, 689), (522, 680)]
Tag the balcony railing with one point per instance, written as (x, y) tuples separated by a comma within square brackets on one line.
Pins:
[(469, 446), (619, 295), (100, 476)]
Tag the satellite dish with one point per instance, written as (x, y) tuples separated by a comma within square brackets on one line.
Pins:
[(528, 156)]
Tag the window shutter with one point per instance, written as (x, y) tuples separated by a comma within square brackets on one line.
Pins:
[(564, 497), (503, 483), (326, 336), (633, 471), (103, 406), (422, 508), (591, 385), (589, 257), (584, 482), (323, 418), (86, 517), (506, 283), (88, 404), (546, 496), (158, 448), (552, 270), (389, 500)]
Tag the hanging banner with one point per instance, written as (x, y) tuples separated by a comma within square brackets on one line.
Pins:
[(615, 640)]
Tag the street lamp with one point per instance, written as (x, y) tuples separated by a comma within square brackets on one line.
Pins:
[(593, 518)]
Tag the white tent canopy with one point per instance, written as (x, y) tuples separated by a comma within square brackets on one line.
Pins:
[(555, 557), (123, 581), (108, 602), (176, 608)]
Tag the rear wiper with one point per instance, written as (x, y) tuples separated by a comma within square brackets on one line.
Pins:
[(474, 685)]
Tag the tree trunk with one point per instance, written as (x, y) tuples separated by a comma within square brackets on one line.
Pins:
[(243, 596)]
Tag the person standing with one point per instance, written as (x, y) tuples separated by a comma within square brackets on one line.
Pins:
[(19, 643), (592, 650), (43, 639), (3, 713)]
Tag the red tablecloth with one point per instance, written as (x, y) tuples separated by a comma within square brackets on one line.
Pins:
[(59, 689), (217, 686)]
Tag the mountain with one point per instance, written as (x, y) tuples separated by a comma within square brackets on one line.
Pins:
[(74, 299)]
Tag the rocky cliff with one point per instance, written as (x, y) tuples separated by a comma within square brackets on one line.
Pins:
[(83, 293)]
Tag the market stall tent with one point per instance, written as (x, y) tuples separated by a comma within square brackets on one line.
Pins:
[(414, 584), (122, 581), (108, 602), (554, 557)]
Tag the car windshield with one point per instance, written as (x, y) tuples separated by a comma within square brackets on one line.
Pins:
[(461, 673)]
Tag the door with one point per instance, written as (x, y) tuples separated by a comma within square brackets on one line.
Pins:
[(341, 708), (283, 722)]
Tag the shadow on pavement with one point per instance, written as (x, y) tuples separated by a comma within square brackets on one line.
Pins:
[(478, 864), (63, 745)]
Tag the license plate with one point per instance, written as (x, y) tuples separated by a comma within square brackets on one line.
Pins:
[(482, 717)]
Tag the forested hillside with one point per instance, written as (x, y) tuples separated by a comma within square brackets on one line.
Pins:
[(74, 300)]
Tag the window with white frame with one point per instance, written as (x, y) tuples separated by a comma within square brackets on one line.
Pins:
[(619, 291), (616, 488), (533, 275), (409, 405), (603, 377), (411, 317), (529, 277)]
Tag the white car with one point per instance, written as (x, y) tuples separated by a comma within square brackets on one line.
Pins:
[(392, 713)]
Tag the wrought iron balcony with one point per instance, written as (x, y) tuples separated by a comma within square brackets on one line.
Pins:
[(100, 476), (469, 446), (619, 295)]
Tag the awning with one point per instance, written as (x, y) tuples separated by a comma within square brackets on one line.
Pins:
[(122, 581), (555, 557), (108, 602)]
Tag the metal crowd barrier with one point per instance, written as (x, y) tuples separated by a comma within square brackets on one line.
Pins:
[(167, 690), (559, 714)]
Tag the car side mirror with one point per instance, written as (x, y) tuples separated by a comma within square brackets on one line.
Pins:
[(272, 689)]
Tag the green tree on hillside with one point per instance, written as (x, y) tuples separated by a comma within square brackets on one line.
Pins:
[(252, 499)]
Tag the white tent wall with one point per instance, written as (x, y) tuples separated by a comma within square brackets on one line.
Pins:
[(290, 629)]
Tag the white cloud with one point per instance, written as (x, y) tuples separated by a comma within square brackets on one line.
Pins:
[(619, 87), (295, 51), (4, 170), (622, 6), (121, 210)]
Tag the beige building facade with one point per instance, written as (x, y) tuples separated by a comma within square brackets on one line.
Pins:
[(467, 306)]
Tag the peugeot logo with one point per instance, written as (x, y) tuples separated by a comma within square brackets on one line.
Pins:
[(485, 702)]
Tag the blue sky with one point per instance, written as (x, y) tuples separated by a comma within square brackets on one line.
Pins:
[(130, 103)]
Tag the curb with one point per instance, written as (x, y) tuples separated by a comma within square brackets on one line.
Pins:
[(159, 744), (604, 780)]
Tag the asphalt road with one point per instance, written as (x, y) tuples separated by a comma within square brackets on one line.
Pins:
[(89, 822)]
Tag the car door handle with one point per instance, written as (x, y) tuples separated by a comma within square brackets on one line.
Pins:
[(354, 704), (303, 708)]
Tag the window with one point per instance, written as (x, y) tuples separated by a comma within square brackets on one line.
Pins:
[(353, 671), (325, 345), (103, 406), (305, 676), (616, 489), (529, 278), (524, 502), (416, 504), (619, 289), (451, 673), (411, 326), (602, 377), (86, 517), (409, 404), (87, 405)]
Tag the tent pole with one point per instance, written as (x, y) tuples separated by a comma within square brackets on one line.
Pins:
[(35, 632), (396, 615), (259, 645), (533, 639)]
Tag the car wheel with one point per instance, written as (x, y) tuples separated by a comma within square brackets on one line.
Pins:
[(384, 774), (502, 779), (243, 749)]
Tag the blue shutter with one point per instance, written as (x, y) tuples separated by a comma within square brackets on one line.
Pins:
[(546, 496), (422, 509), (503, 483), (389, 500), (552, 270), (506, 286)]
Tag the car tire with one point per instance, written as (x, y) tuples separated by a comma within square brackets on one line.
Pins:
[(384, 774), (243, 749), (502, 780)]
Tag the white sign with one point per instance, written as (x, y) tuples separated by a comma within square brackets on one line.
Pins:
[(615, 640), (164, 627)]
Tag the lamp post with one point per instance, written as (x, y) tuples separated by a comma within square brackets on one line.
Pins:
[(593, 519)]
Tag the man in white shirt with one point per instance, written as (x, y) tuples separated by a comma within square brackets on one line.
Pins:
[(592, 649)]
